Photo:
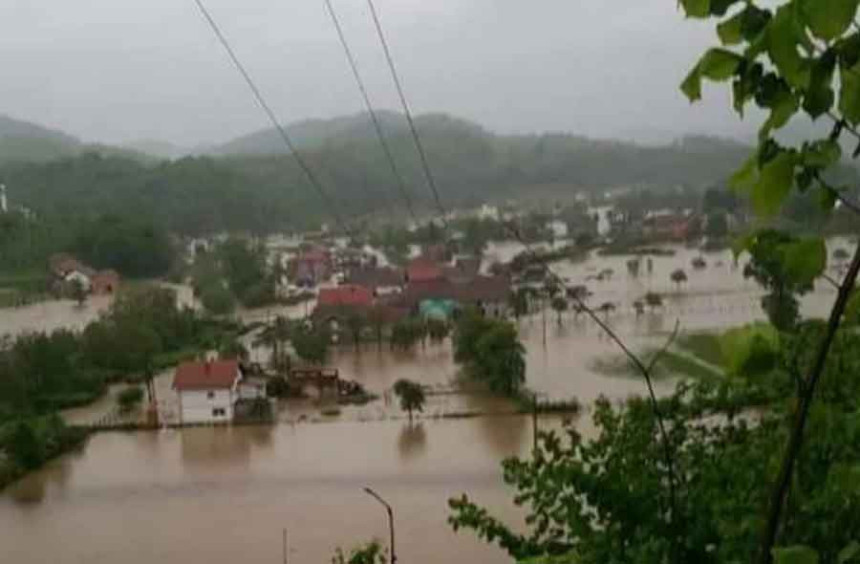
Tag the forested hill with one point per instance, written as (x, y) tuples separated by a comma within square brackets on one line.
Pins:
[(23, 141), (267, 192)]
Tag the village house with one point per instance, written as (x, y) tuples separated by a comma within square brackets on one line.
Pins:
[(666, 225), (66, 271), (209, 391), (384, 281), (312, 266)]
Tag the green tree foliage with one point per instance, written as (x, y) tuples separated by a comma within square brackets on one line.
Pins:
[(311, 344), (491, 352), (370, 553), (131, 246), (437, 329), (411, 396), (678, 276), (603, 500), (786, 267), (129, 398), (406, 333)]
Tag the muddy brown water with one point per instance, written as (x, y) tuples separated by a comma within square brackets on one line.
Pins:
[(225, 495)]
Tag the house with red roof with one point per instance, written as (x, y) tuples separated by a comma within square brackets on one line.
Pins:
[(423, 269), (209, 390)]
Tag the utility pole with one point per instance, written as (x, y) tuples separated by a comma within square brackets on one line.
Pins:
[(534, 421), (285, 546), (377, 497)]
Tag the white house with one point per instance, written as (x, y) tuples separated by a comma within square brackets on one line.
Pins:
[(208, 390)]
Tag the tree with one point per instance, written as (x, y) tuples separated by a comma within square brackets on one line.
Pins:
[(653, 300), (24, 446), (129, 397), (370, 553), (776, 262), (311, 344), (790, 57), (559, 304), (437, 329), (355, 323), (500, 359), (411, 396), (678, 276), (717, 226), (376, 318), (406, 333), (519, 302)]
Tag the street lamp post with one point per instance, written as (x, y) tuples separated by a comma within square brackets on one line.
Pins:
[(390, 512)]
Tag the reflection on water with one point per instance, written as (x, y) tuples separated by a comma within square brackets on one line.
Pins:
[(412, 442)]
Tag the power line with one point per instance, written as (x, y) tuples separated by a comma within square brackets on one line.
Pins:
[(309, 174), (401, 184), (431, 182)]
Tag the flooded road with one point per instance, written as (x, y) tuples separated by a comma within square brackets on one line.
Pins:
[(224, 495)]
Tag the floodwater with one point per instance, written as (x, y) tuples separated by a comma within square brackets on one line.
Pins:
[(225, 495)]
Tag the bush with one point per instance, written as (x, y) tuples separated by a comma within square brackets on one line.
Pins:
[(129, 397)]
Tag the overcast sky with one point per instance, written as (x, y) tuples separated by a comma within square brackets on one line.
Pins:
[(120, 70)]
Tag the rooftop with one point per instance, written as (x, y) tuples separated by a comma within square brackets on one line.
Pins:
[(214, 375)]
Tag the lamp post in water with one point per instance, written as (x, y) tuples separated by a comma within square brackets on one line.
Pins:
[(388, 509)]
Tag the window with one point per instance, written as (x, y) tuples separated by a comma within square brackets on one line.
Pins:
[(210, 395), (219, 412)]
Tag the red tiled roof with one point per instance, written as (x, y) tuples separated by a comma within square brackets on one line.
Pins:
[(219, 374), (348, 294), (423, 269), (373, 278)]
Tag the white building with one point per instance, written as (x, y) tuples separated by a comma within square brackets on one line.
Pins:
[(208, 390)]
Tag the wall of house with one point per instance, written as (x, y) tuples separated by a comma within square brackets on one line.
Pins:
[(198, 406)]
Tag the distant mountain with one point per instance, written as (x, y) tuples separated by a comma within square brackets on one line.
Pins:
[(314, 133), (25, 141), (157, 149)]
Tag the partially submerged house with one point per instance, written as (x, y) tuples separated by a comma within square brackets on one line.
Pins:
[(67, 271), (208, 391)]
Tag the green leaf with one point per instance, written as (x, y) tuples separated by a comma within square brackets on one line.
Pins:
[(784, 37), (822, 154), (719, 64), (826, 199), (774, 184), (849, 552), (746, 177), (692, 85), (820, 97), (804, 260), (795, 555), (731, 30), (741, 244), (784, 106), (828, 19), (697, 8), (849, 94), (720, 7)]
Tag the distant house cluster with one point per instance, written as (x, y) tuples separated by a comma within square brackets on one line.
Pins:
[(67, 272), (429, 286)]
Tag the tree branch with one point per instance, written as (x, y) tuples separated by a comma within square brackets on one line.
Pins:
[(668, 454), (795, 439)]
